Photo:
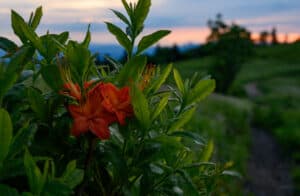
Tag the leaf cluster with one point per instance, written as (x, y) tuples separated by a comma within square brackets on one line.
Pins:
[(152, 154)]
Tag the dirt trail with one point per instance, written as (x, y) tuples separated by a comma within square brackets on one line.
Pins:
[(268, 171)]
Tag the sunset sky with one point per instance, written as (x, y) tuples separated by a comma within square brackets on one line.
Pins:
[(186, 18)]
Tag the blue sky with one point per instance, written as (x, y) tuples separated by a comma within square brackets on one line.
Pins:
[(186, 18)]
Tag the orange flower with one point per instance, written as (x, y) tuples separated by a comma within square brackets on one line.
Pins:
[(117, 101), (103, 105)]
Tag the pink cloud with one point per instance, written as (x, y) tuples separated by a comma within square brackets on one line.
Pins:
[(184, 35)]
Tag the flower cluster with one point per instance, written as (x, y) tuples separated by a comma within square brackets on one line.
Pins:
[(98, 107)]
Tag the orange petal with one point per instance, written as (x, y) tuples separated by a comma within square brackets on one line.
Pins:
[(121, 117), (99, 127), (75, 111), (80, 125), (110, 93)]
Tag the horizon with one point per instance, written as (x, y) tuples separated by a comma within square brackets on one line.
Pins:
[(191, 28)]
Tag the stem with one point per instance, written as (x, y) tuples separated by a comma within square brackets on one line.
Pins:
[(130, 54), (89, 157), (99, 181), (124, 147), (161, 181), (87, 164)]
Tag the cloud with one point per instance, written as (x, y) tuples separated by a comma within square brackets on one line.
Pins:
[(187, 18)]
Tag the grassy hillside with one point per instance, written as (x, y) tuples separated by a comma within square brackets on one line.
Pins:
[(274, 72)]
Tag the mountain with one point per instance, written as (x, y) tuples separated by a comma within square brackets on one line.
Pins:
[(112, 50), (116, 51)]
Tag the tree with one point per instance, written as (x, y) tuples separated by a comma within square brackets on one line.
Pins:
[(217, 27), (263, 38), (274, 39), (231, 44)]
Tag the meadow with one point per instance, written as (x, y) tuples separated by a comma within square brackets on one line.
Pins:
[(265, 94)]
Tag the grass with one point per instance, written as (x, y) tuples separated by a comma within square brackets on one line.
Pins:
[(285, 52), (275, 70), (226, 120), (188, 67)]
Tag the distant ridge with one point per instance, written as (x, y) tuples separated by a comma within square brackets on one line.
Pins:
[(117, 51)]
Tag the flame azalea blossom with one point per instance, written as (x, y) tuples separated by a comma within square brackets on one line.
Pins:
[(102, 105), (117, 101)]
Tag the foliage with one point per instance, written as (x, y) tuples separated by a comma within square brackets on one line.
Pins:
[(47, 79), (227, 120), (273, 71)]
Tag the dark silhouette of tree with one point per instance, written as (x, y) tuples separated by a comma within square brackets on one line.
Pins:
[(274, 39), (297, 40), (263, 37), (175, 53), (217, 27), (164, 55), (231, 44)]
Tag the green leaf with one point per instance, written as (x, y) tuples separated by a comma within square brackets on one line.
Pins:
[(28, 33), (7, 190), (78, 57), (140, 106), (127, 8), (62, 37), (182, 119), (132, 70), (121, 16), (6, 131), (22, 139), (168, 148), (33, 173), (87, 38), (52, 77), (72, 176), (37, 103), (232, 173), (201, 90), (190, 187), (18, 60), (120, 36), (12, 168), (117, 65), (189, 135), (113, 155), (161, 105), (208, 151), (151, 39), (15, 23), (56, 187), (45, 172), (7, 45), (156, 84), (141, 12), (53, 44), (37, 18), (27, 194), (178, 81), (14, 68), (60, 40)]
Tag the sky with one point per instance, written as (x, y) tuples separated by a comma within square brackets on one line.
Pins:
[(187, 19)]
